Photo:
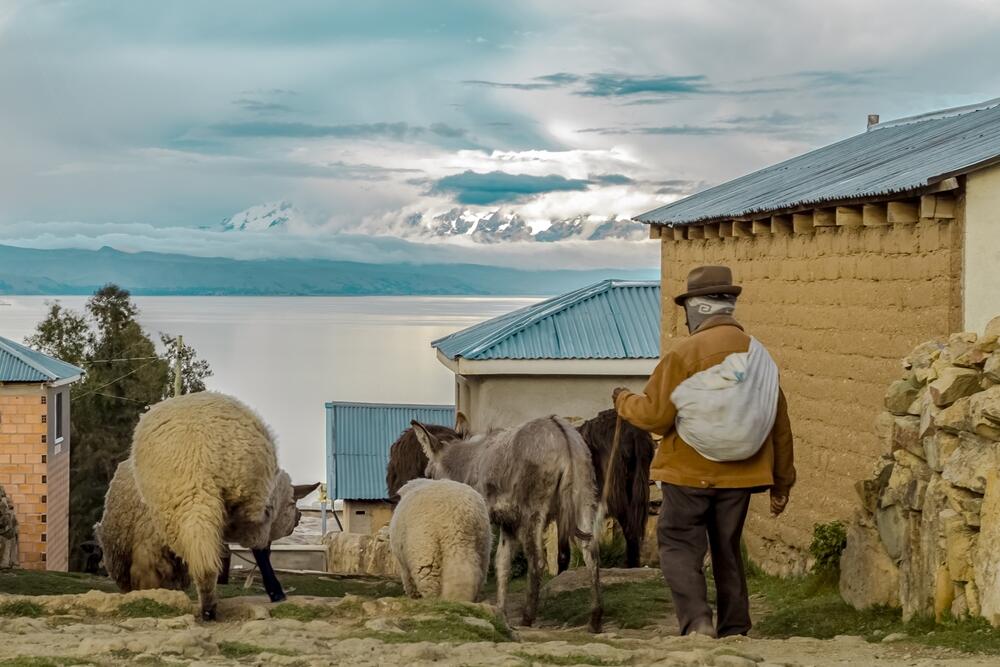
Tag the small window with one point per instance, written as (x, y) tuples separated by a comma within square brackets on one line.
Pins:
[(45, 479), (359, 512), (45, 499), (44, 401), (59, 417), (44, 458), (45, 419), (44, 518), (45, 439), (43, 557), (43, 537)]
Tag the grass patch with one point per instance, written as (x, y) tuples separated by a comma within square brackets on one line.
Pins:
[(237, 650), (300, 612), (145, 608), (32, 582), (575, 659), (22, 608), (628, 606), (811, 606), (442, 621)]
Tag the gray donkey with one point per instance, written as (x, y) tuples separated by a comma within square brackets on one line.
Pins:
[(530, 475)]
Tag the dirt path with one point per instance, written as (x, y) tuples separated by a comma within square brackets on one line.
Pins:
[(354, 631)]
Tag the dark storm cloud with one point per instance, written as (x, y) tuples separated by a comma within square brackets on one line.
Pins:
[(480, 189)]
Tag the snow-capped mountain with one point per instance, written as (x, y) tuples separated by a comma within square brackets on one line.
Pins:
[(499, 225), (263, 217), (482, 226)]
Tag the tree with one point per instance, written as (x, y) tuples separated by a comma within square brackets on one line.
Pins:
[(62, 334), (193, 370), (125, 375)]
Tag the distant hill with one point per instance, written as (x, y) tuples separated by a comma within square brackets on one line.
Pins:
[(31, 271)]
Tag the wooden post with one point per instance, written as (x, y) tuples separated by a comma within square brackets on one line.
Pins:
[(178, 385), (937, 207)]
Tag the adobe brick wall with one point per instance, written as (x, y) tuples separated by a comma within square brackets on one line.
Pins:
[(838, 309), (23, 469)]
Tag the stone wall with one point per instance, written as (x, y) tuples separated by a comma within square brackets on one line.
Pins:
[(8, 533), (837, 308), (927, 537)]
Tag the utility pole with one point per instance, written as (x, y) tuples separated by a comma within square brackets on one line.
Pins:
[(177, 366)]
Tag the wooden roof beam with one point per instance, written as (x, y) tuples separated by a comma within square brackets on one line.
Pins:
[(874, 215), (902, 212), (849, 216)]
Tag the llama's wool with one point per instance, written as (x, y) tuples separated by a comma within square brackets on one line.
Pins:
[(440, 537)]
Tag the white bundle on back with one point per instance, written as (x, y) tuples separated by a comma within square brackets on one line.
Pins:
[(727, 411)]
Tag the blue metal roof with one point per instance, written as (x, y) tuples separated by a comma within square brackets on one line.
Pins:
[(612, 319), (22, 364), (890, 158), (358, 438)]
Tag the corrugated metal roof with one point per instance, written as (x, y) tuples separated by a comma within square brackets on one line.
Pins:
[(358, 438), (612, 319), (22, 364), (890, 158)]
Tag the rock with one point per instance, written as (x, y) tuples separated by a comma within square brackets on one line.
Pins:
[(8, 532), (960, 544), (986, 559), (944, 593), (928, 413), (960, 344), (883, 426), (870, 490), (900, 396), (357, 553), (952, 384), (991, 369), (916, 464), (906, 435), (972, 599), (992, 328), (967, 504), (923, 554), (924, 355), (969, 463), (976, 356), (956, 417), (868, 576), (984, 413), (938, 448), (895, 637), (891, 523)]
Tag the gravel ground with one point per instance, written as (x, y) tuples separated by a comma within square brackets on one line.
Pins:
[(92, 629)]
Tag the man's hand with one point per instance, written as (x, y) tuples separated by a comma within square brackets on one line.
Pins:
[(778, 504), (614, 394)]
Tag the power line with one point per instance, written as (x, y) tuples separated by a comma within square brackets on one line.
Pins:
[(108, 361), (122, 398), (131, 372)]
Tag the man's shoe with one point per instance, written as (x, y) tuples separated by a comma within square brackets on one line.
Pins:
[(704, 628)]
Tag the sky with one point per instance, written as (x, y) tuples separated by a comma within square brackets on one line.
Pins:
[(145, 125)]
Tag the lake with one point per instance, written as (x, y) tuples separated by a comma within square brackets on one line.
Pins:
[(287, 356)]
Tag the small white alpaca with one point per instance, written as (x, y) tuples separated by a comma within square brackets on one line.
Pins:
[(440, 536)]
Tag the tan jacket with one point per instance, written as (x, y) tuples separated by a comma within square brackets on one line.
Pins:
[(678, 463)]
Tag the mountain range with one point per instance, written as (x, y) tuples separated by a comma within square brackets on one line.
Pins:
[(483, 226), (73, 271)]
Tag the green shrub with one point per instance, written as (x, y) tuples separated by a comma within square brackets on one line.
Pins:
[(829, 541)]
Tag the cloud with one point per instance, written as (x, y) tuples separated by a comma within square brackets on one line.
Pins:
[(761, 124), (325, 243), (260, 106), (482, 189), (399, 131)]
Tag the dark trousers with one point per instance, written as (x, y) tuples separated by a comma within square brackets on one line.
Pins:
[(691, 520)]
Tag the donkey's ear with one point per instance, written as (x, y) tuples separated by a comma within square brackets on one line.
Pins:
[(427, 440), (300, 491), (461, 424)]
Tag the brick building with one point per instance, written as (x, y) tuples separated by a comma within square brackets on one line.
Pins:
[(35, 451), (848, 256)]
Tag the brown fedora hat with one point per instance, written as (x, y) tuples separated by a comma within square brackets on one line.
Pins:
[(705, 280)]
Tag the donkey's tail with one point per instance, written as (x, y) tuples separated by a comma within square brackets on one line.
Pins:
[(580, 512)]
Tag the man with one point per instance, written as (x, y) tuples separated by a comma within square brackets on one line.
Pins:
[(715, 399)]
